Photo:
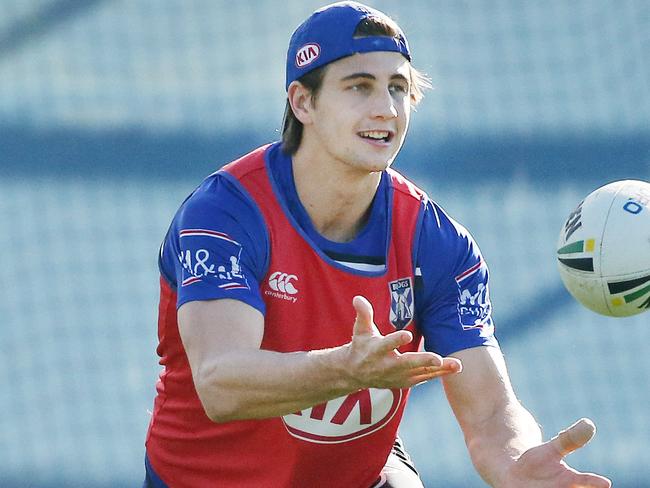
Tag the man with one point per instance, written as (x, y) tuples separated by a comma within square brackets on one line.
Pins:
[(298, 281)]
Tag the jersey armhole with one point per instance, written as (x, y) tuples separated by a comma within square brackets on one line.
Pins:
[(170, 281)]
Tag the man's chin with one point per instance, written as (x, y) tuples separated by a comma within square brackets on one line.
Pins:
[(383, 163)]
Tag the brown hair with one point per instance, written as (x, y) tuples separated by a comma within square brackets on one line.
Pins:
[(368, 27)]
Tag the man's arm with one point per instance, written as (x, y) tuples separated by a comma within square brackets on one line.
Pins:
[(503, 439), (496, 426), (235, 379)]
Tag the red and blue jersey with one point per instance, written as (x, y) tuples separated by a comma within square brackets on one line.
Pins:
[(244, 234)]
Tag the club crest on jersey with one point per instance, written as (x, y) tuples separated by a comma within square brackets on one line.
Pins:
[(401, 302)]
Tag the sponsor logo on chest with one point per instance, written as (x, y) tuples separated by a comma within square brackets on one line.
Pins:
[(345, 418)]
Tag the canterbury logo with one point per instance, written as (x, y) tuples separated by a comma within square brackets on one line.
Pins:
[(282, 282)]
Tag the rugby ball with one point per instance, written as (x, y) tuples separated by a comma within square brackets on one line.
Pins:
[(603, 251)]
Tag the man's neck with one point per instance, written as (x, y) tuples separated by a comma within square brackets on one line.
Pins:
[(337, 198)]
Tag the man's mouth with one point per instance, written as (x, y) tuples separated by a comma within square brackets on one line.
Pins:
[(377, 135)]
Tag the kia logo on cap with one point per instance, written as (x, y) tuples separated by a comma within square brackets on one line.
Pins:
[(307, 54)]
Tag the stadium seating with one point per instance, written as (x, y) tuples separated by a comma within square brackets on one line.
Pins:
[(112, 111)]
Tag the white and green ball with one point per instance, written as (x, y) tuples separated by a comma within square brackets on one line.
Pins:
[(603, 250)]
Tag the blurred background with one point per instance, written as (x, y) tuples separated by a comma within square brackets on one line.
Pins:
[(112, 111)]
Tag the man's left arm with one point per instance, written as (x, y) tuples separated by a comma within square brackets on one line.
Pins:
[(503, 439)]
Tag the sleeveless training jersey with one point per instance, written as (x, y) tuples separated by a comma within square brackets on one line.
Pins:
[(306, 296)]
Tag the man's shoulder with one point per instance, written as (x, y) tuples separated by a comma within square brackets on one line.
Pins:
[(246, 164), (223, 187), (452, 240), (442, 226), (405, 186), (220, 197)]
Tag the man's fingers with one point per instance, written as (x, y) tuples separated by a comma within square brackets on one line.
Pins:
[(426, 374), (574, 437), (452, 364), (395, 339), (590, 480), (364, 323), (445, 367), (421, 362)]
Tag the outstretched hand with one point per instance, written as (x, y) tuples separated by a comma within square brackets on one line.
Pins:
[(543, 466), (374, 360)]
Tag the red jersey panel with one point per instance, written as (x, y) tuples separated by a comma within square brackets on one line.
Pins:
[(308, 301)]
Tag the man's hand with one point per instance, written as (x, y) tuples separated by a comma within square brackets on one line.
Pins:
[(374, 362), (542, 466)]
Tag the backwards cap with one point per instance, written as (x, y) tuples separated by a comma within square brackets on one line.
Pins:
[(328, 35)]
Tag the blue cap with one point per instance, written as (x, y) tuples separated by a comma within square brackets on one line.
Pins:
[(328, 35)]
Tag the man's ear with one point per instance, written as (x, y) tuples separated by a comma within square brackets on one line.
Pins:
[(300, 99)]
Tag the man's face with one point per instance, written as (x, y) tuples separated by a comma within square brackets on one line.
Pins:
[(362, 110)]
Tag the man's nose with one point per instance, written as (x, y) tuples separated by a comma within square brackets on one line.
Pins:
[(384, 105)]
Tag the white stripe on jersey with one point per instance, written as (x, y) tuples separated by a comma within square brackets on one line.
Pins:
[(362, 266)]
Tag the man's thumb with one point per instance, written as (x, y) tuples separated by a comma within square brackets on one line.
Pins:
[(363, 324), (574, 437)]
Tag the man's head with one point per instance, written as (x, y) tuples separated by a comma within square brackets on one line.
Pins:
[(333, 33)]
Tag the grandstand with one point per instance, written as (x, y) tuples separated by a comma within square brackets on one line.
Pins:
[(111, 111)]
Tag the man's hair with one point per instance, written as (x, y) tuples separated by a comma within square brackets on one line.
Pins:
[(369, 27)]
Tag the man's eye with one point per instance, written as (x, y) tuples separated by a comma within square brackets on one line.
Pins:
[(360, 87), (399, 89)]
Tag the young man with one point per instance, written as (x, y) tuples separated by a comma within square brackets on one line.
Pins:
[(298, 281)]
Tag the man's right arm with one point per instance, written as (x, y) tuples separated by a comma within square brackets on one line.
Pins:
[(236, 380)]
